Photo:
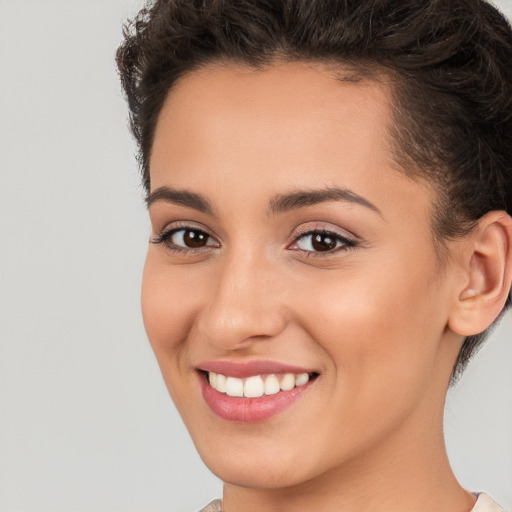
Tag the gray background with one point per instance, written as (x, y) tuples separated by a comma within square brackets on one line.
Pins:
[(86, 423)]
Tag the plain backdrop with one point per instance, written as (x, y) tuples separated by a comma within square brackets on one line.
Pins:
[(86, 423)]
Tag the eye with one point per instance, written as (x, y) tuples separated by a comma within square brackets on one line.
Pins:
[(185, 238), (321, 241), (190, 238)]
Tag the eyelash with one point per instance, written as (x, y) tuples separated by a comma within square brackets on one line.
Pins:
[(165, 236), (346, 243)]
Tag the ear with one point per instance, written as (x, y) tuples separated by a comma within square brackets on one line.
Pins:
[(487, 275)]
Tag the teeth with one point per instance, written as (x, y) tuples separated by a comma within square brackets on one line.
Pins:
[(234, 387), (220, 384), (287, 382), (257, 385), (271, 385), (253, 387), (301, 379)]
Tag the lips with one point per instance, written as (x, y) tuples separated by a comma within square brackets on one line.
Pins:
[(252, 391)]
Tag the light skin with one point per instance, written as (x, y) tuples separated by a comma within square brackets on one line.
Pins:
[(254, 162)]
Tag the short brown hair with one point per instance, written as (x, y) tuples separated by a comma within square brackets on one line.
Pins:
[(451, 59)]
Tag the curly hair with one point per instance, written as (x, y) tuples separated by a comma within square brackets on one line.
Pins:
[(449, 61)]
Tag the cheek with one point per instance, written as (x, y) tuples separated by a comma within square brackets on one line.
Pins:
[(380, 330), (167, 307), (383, 353)]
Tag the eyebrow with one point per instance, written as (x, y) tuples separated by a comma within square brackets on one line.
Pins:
[(180, 197), (302, 198), (279, 204)]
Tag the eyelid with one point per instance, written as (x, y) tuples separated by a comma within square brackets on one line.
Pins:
[(323, 227), (170, 229), (349, 241), (184, 224)]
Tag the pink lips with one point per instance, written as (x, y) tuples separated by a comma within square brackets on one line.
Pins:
[(249, 409)]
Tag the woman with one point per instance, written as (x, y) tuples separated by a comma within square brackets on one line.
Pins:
[(329, 187)]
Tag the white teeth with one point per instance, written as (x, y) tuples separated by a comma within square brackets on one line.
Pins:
[(253, 387), (301, 379), (257, 385), (220, 385), (271, 385), (287, 382), (234, 387)]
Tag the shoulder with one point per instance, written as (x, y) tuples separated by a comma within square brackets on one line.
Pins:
[(485, 503), (214, 506)]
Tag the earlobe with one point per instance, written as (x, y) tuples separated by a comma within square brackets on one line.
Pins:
[(488, 275)]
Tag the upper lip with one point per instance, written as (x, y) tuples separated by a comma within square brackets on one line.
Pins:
[(242, 370)]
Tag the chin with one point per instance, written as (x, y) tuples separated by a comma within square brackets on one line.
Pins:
[(255, 461), (256, 472)]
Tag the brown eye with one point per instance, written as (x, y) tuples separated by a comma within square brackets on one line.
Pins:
[(322, 241), (187, 238), (193, 239), (182, 239)]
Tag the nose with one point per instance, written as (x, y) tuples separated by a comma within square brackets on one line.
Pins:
[(245, 304)]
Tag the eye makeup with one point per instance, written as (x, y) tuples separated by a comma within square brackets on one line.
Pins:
[(317, 241), (185, 238), (321, 242)]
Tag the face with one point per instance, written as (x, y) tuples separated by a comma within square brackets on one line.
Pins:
[(292, 264)]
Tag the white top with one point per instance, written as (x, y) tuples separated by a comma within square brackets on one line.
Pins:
[(484, 503)]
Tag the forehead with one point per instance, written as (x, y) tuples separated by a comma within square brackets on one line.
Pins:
[(294, 106), (281, 91), (301, 83), (286, 125)]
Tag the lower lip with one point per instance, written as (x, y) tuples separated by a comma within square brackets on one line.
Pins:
[(249, 410)]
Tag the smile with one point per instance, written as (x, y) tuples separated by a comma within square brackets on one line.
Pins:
[(257, 385), (252, 392)]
